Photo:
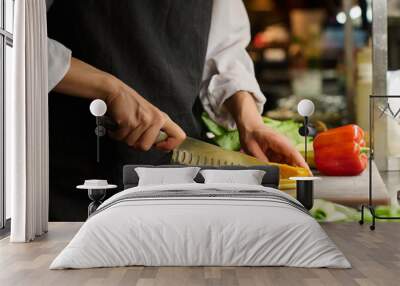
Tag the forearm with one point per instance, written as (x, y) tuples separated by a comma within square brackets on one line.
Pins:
[(139, 122), (243, 109), (84, 80)]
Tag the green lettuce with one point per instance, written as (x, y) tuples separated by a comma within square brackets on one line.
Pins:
[(324, 211), (229, 139)]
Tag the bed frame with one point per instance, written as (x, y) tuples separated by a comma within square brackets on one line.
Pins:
[(271, 177)]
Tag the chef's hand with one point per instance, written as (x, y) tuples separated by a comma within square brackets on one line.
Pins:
[(268, 145), (257, 139), (139, 121)]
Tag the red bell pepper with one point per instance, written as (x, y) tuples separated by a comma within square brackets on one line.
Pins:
[(338, 151)]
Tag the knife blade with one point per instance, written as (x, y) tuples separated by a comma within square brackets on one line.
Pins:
[(194, 152), (197, 152)]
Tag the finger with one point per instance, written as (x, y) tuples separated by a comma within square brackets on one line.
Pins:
[(168, 144), (275, 157), (289, 154), (254, 149), (148, 138), (134, 136), (175, 136), (296, 159)]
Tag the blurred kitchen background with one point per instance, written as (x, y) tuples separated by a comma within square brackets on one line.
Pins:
[(319, 50), (322, 50)]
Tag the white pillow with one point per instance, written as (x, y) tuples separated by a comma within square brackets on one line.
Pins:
[(247, 177), (166, 176)]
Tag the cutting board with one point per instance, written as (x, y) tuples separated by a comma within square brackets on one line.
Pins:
[(351, 191)]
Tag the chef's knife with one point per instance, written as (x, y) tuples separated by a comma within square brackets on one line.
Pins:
[(190, 152), (195, 152)]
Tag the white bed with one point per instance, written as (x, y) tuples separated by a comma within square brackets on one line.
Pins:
[(139, 227)]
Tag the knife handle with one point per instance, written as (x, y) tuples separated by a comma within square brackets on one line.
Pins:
[(109, 124), (162, 136)]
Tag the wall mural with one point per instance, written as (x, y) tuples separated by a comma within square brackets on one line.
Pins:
[(218, 96)]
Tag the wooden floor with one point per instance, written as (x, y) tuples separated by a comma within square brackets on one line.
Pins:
[(375, 257)]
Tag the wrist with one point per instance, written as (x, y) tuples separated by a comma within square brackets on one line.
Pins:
[(244, 111), (109, 87), (249, 123)]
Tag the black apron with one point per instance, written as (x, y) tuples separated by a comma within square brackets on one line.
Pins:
[(157, 47)]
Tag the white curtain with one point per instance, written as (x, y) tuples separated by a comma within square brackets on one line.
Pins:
[(27, 124)]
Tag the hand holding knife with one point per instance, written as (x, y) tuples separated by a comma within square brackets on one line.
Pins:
[(196, 152), (190, 152), (98, 108)]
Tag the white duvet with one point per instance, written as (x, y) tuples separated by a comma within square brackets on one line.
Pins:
[(200, 231)]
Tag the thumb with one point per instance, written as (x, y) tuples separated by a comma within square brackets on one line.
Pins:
[(175, 136)]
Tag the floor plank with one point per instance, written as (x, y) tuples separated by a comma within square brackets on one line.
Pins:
[(375, 257)]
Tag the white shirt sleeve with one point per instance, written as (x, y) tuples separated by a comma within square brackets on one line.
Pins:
[(228, 67), (59, 60)]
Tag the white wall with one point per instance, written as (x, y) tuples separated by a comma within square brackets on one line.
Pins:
[(9, 21), (9, 10), (8, 85)]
